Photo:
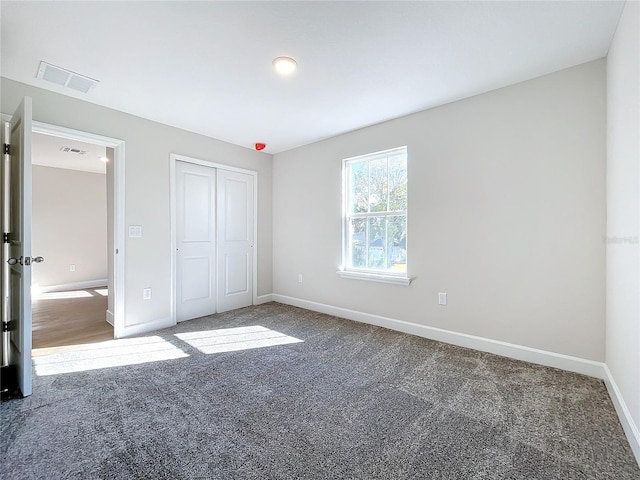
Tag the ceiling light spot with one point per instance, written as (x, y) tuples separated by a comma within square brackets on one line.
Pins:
[(285, 65)]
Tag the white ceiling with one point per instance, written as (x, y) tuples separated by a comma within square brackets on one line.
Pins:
[(46, 151), (206, 66)]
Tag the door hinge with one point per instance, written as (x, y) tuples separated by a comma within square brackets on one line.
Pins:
[(7, 149), (9, 326), (6, 237)]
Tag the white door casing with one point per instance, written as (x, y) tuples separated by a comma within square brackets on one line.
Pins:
[(116, 220), (18, 136), (235, 240), (195, 240)]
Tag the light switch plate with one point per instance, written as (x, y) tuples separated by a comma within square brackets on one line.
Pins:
[(146, 293), (442, 298), (135, 231)]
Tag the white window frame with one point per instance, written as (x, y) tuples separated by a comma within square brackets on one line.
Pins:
[(345, 271)]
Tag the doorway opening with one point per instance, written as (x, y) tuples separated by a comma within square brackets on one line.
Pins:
[(69, 230), (79, 296)]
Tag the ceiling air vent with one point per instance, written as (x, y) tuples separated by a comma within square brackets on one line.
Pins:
[(66, 78), (72, 150)]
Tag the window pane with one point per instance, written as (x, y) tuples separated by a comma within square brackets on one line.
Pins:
[(376, 194), (358, 236), (398, 183), (378, 185), (359, 184), (376, 243), (397, 243)]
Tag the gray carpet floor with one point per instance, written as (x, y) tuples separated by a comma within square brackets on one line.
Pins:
[(322, 398)]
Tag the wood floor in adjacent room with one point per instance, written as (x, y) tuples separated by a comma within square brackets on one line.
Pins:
[(64, 319)]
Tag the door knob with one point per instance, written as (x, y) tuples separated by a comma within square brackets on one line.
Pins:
[(25, 260)]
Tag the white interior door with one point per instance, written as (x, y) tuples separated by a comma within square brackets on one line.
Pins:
[(18, 136), (196, 240), (235, 239)]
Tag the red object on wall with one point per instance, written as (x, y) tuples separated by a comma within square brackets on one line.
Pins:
[(260, 146)]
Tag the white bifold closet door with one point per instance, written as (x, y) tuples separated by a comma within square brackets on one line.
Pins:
[(214, 230), (235, 240), (196, 241)]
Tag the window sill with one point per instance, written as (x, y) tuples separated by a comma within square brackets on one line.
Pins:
[(373, 277)]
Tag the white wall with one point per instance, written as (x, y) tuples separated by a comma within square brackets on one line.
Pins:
[(623, 214), (147, 201), (69, 226), (506, 215)]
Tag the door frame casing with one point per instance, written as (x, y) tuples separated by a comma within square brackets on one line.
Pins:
[(118, 265), (173, 158)]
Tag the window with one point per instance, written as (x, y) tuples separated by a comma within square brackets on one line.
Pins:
[(375, 216)]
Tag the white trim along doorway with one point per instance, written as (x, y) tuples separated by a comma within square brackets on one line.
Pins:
[(115, 217), (212, 174)]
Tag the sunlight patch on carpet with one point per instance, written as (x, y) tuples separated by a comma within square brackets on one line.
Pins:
[(113, 353), (235, 339)]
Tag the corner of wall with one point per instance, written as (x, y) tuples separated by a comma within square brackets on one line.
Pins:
[(626, 420)]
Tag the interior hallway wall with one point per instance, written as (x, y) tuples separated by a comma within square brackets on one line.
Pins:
[(69, 226)]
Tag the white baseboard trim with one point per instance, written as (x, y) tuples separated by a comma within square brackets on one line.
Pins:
[(110, 317), (147, 327), (628, 425), (75, 286), (518, 352), (263, 299)]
